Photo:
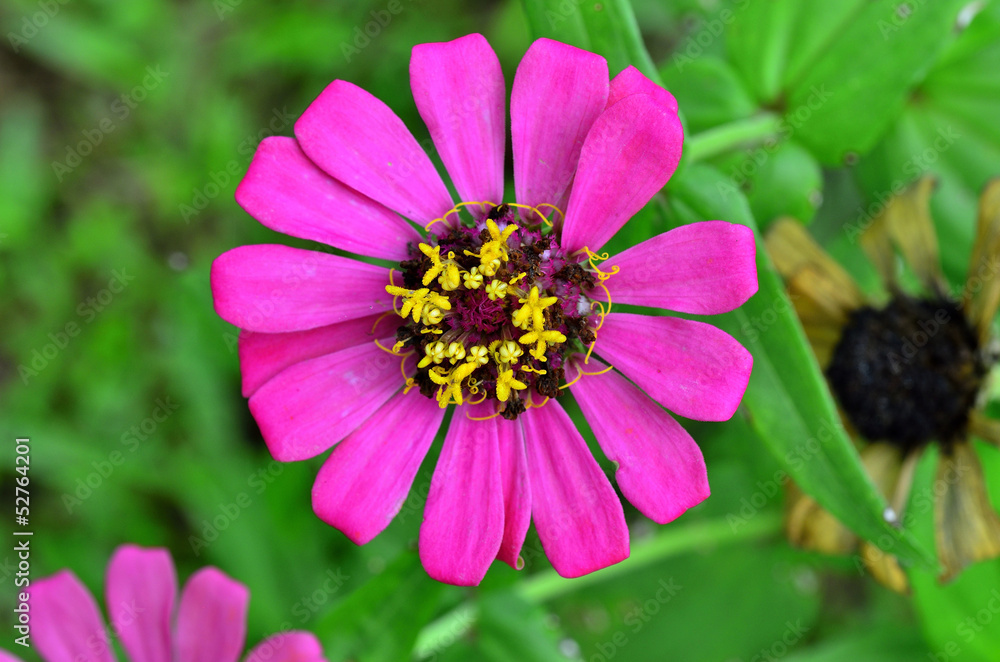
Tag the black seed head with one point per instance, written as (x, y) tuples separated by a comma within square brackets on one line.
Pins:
[(908, 373)]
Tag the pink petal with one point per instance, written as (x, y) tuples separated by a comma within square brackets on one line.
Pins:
[(212, 618), (66, 625), (516, 491), (704, 268), (463, 519), (630, 153), (632, 81), (577, 514), (264, 355), (288, 647), (558, 93), (285, 191), (141, 587), (691, 368), (274, 289), (459, 90), (359, 140), (364, 482), (314, 404), (660, 467), (7, 657)]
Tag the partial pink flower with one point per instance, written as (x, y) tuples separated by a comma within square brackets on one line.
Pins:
[(492, 307), (207, 624)]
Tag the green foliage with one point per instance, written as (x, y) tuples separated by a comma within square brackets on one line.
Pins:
[(124, 130)]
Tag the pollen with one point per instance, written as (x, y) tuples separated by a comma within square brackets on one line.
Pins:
[(492, 307)]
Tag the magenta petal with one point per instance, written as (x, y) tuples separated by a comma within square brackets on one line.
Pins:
[(359, 140), (660, 467), (264, 355), (288, 193), (577, 514), (288, 647), (691, 368), (558, 93), (459, 90), (274, 289), (212, 618), (66, 625), (632, 81), (516, 491), (463, 518), (704, 268), (141, 588), (364, 482), (7, 657), (630, 153), (312, 405)]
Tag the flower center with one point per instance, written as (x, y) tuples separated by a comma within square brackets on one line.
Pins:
[(492, 308), (908, 373)]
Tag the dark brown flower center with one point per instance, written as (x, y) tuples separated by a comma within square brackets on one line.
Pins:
[(491, 308), (908, 373)]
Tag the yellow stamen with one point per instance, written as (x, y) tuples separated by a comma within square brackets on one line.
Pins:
[(507, 382), (541, 338), (386, 349), (490, 268), (581, 374), (537, 211), (532, 310), (483, 418), (435, 352), (402, 368), (478, 402), (432, 315), (497, 289), (532, 405), (506, 351), (473, 279), (456, 352), (415, 300), (451, 383), (382, 316), (478, 354), (446, 271), (592, 257)]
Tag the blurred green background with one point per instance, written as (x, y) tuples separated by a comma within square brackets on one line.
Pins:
[(124, 129)]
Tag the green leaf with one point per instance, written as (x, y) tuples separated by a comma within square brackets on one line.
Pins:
[(788, 182), (512, 629), (381, 620), (945, 131), (961, 620), (758, 44), (839, 74), (666, 607), (27, 182), (885, 644), (788, 401), (709, 92), (607, 28)]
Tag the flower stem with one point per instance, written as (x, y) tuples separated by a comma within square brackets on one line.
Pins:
[(728, 137), (548, 585)]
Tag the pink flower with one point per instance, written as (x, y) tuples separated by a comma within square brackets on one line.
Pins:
[(495, 313), (209, 624)]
